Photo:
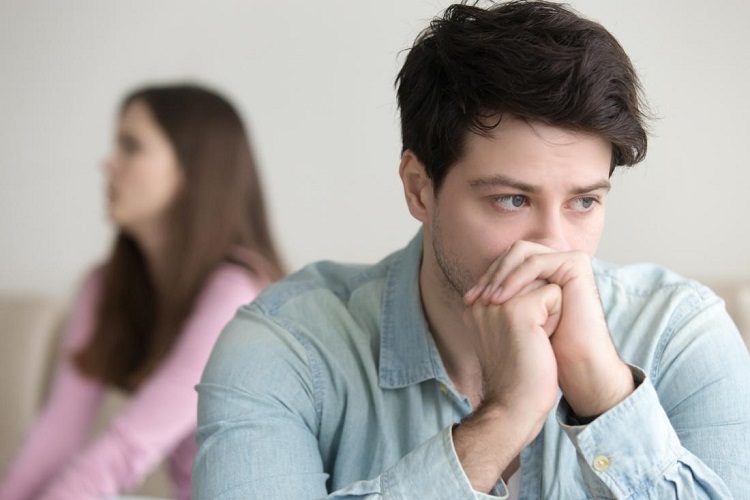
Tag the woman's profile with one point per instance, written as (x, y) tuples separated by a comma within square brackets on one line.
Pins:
[(193, 244)]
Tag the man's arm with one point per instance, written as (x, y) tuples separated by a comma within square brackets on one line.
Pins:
[(635, 443), (258, 414), (519, 375), (537, 323), (685, 430)]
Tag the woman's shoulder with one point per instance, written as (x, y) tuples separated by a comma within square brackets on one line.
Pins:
[(232, 281), (227, 288)]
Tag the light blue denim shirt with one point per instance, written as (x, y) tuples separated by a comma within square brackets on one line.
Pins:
[(330, 384)]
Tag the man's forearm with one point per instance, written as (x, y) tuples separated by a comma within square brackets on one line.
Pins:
[(487, 442)]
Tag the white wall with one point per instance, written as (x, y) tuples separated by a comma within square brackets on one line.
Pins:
[(315, 82)]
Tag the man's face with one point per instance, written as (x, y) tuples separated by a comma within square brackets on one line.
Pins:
[(528, 181)]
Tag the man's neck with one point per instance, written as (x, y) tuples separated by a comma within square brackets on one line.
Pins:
[(444, 309)]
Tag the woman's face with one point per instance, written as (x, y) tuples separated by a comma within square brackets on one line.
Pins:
[(143, 175)]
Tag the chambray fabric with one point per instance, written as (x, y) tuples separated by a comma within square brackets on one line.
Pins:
[(330, 385)]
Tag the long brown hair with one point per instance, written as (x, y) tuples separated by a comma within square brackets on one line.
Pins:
[(220, 215)]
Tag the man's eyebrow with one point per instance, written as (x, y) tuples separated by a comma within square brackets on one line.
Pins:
[(592, 187), (501, 180)]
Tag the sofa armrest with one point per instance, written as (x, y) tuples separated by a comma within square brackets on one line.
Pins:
[(29, 331)]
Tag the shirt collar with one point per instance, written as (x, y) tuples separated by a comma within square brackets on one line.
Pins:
[(408, 354)]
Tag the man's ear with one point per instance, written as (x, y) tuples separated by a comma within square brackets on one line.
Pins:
[(417, 186)]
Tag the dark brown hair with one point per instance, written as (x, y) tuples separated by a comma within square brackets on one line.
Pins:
[(219, 216), (538, 61)]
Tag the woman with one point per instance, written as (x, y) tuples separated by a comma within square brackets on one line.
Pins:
[(193, 245)]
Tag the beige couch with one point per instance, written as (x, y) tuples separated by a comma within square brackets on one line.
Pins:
[(28, 342)]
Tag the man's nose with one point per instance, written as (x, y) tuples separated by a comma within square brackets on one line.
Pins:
[(549, 230)]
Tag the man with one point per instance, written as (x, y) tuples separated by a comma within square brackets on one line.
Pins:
[(493, 353)]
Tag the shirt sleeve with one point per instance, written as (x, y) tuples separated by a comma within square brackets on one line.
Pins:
[(685, 431), (161, 413), (258, 415), (62, 426), (432, 470)]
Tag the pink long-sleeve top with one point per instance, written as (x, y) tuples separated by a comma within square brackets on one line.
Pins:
[(59, 461)]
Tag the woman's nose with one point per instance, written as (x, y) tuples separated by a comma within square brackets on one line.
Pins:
[(108, 164)]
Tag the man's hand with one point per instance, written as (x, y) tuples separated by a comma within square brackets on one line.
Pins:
[(591, 374), (512, 342), (519, 380)]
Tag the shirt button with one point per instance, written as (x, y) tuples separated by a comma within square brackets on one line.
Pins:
[(443, 389), (601, 463)]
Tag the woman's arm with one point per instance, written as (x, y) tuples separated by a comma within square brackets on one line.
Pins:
[(162, 412), (62, 427)]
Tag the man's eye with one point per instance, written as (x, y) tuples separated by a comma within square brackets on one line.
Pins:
[(585, 204), (511, 202)]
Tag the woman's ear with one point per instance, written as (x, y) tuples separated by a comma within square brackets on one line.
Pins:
[(417, 186)]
